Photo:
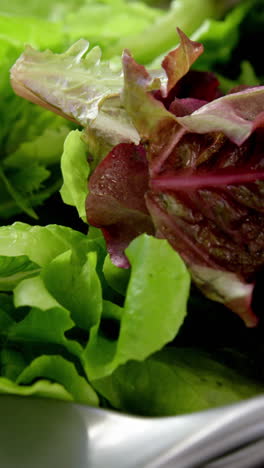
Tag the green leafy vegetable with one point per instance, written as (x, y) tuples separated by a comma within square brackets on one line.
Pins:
[(74, 326), (175, 381), (31, 140), (143, 327), (40, 244), (44, 326), (15, 269), (57, 315), (80, 292), (75, 167), (56, 368), (41, 389)]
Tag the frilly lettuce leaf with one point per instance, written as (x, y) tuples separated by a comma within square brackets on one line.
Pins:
[(40, 244), (41, 388), (161, 130), (56, 368), (68, 384), (237, 115), (77, 86)]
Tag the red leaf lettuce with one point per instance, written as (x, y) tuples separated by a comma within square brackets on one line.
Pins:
[(195, 179)]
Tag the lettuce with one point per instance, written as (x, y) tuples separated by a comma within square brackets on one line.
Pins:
[(74, 188), (166, 154), (212, 238), (196, 145), (143, 326), (175, 381), (53, 325), (66, 334), (37, 141), (31, 140)]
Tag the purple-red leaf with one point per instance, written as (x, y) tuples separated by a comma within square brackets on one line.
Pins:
[(116, 201), (237, 115), (179, 61), (201, 178)]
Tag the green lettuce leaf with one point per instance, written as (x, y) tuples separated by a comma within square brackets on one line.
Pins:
[(143, 327), (40, 244), (48, 371), (56, 368), (75, 170), (41, 388), (80, 291), (6, 318), (78, 86), (116, 277), (175, 381), (12, 364), (46, 326)]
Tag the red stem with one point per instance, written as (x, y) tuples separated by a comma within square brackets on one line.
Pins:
[(197, 181)]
